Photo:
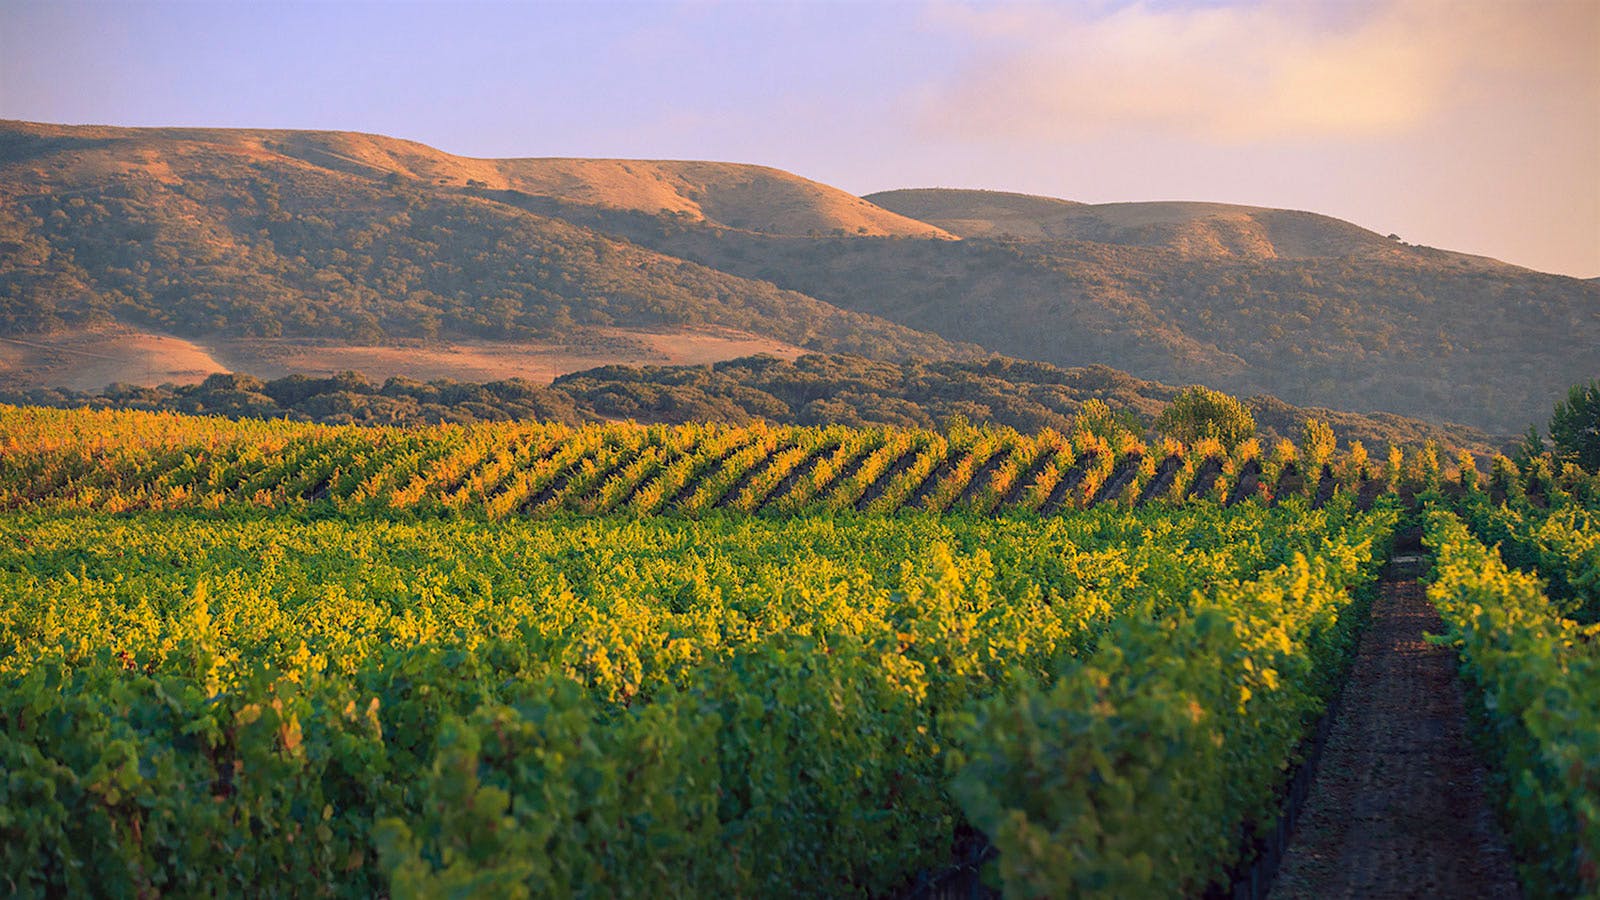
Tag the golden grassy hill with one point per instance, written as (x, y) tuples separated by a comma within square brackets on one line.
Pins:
[(745, 197), (1194, 230), (1314, 310), (90, 359), (984, 214), (732, 195), (237, 234)]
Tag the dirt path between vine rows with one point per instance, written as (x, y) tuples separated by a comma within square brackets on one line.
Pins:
[(1398, 807)]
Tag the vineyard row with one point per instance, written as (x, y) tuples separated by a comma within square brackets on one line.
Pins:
[(124, 461), (730, 706), (1534, 673)]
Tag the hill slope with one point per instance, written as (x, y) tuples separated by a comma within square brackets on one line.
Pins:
[(269, 234), (1197, 230), (746, 197), (732, 195), (1307, 308), (221, 236), (89, 359)]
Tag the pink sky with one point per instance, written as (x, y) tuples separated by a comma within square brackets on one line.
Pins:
[(1472, 126)]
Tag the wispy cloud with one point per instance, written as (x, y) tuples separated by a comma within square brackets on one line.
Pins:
[(1245, 72)]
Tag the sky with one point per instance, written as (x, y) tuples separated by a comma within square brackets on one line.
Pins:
[(1470, 125)]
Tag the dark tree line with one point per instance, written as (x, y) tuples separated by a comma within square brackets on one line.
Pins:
[(816, 389)]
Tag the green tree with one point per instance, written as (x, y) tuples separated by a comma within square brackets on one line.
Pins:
[(1423, 468), (1504, 479), (1318, 443), (1468, 468), (1096, 416), (1529, 448), (1394, 469), (1199, 412), (1575, 426)]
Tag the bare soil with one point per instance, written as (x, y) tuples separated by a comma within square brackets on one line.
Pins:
[(1206, 477), (1062, 492), (983, 475), (1118, 480), (1158, 485), (876, 488), (1248, 484), (1398, 806)]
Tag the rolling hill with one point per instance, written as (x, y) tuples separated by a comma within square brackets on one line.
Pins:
[(264, 244), (730, 195), (261, 234), (1250, 301), (1193, 230)]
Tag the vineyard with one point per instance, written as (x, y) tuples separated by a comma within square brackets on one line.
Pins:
[(536, 660), (113, 462), (1535, 668)]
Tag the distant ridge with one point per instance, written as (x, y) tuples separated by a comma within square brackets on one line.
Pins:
[(1193, 229), (973, 213)]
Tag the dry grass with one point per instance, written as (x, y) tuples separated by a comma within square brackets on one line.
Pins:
[(1195, 230), (735, 195), (90, 360), (753, 198), (539, 362)]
